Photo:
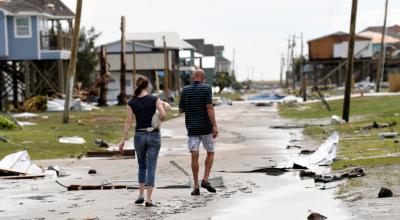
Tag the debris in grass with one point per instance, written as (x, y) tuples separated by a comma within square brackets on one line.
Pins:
[(375, 125), (388, 135), (26, 115), (101, 143), (71, 140)]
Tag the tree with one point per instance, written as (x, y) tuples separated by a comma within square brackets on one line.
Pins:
[(222, 80), (87, 57)]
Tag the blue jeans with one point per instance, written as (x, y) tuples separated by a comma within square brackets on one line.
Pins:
[(147, 147)]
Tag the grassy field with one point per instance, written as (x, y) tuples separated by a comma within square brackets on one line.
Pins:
[(41, 140), (358, 146), (359, 106)]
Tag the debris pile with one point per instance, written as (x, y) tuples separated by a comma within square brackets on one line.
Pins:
[(375, 125), (36, 104), (324, 156), (19, 164)]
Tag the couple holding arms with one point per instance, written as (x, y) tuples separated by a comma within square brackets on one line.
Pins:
[(196, 103)]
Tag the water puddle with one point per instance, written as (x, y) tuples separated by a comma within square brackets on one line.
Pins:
[(288, 202)]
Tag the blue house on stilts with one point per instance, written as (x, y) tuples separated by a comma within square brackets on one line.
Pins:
[(35, 44)]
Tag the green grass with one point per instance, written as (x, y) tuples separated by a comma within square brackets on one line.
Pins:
[(357, 147), (41, 140), (359, 106)]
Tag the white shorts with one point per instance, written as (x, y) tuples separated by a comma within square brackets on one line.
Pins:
[(207, 140)]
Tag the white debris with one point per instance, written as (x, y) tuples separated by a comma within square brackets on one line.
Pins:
[(388, 135), (325, 154), (25, 115), (20, 162), (71, 140), (26, 123), (290, 100), (57, 105), (336, 120)]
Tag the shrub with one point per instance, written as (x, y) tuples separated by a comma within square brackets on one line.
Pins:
[(5, 123)]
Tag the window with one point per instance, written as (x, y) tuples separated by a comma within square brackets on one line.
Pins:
[(23, 27)]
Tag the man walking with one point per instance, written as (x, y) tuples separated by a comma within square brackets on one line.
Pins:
[(196, 103)]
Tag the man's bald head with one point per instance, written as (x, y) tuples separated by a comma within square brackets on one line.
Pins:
[(199, 75)]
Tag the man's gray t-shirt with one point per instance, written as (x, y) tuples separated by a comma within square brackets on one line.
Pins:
[(194, 100)]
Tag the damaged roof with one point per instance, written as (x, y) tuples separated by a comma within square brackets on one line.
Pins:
[(54, 8)]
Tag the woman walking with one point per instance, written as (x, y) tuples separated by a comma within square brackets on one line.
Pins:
[(147, 141)]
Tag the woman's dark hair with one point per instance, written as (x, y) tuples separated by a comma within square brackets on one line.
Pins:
[(141, 83)]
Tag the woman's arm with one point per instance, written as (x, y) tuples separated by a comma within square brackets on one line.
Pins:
[(127, 126), (160, 108)]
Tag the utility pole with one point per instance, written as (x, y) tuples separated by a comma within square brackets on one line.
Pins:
[(287, 65), (233, 64), (282, 69), (302, 76), (292, 63), (72, 63), (350, 63), (382, 57), (122, 100), (166, 75), (133, 67)]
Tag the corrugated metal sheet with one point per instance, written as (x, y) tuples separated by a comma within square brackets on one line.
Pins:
[(144, 61), (341, 49), (172, 39)]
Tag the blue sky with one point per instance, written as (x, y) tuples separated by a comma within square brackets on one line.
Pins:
[(257, 29)]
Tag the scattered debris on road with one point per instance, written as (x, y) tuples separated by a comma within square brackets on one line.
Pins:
[(324, 155), (17, 164), (316, 216), (385, 193), (318, 178)]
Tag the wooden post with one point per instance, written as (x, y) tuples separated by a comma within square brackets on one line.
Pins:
[(27, 77), (350, 63), (157, 82), (103, 81), (381, 65), (15, 84), (72, 64), (122, 99), (166, 74), (133, 67), (303, 78), (2, 88)]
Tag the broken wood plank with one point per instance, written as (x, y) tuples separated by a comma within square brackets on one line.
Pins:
[(126, 153), (4, 172), (23, 177)]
